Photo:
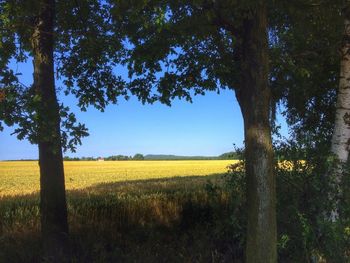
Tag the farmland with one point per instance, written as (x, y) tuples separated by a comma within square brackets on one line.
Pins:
[(23, 177), (125, 211), (146, 211)]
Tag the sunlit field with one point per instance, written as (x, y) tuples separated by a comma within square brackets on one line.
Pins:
[(124, 211), (18, 178), (138, 211)]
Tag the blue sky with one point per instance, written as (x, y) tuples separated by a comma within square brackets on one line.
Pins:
[(209, 126)]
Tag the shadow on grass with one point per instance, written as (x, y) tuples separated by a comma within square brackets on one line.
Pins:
[(179, 219)]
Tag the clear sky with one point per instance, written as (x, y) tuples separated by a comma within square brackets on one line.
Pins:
[(209, 126)]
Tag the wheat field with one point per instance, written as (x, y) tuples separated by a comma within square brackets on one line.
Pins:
[(22, 177)]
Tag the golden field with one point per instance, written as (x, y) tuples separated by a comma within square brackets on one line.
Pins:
[(123, 211), (139, 211), (22, 177)]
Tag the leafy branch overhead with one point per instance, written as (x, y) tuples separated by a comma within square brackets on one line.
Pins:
[(86, 54), (179, 48), (18, 108)]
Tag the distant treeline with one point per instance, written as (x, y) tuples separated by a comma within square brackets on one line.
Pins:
[(119, 157), (20, 160), (138, 156)]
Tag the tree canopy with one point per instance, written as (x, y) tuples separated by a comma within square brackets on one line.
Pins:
[(85, 56), (266, 51)]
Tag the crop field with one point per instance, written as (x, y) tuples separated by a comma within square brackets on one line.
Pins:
[(18, 178), (135, 211), (123, 211)]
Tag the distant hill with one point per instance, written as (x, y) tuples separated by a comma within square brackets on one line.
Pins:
[(224, 156), (177, 157)]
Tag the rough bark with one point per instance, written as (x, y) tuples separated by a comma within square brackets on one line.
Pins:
[(254, 98), (53, 207)]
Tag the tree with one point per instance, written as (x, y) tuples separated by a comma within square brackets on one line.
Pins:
[(309, 66), (305, 68), (254, 97), (73, 38), (53, 207), (185, 48), (138, 156), (309, 81), (229, 155), (341, 133)]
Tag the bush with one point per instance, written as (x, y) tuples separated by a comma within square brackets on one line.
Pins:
[(305, 231), (304, 205)]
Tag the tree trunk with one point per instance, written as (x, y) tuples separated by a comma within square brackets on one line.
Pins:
[(254, 97), (341, 134), (53, 207)]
